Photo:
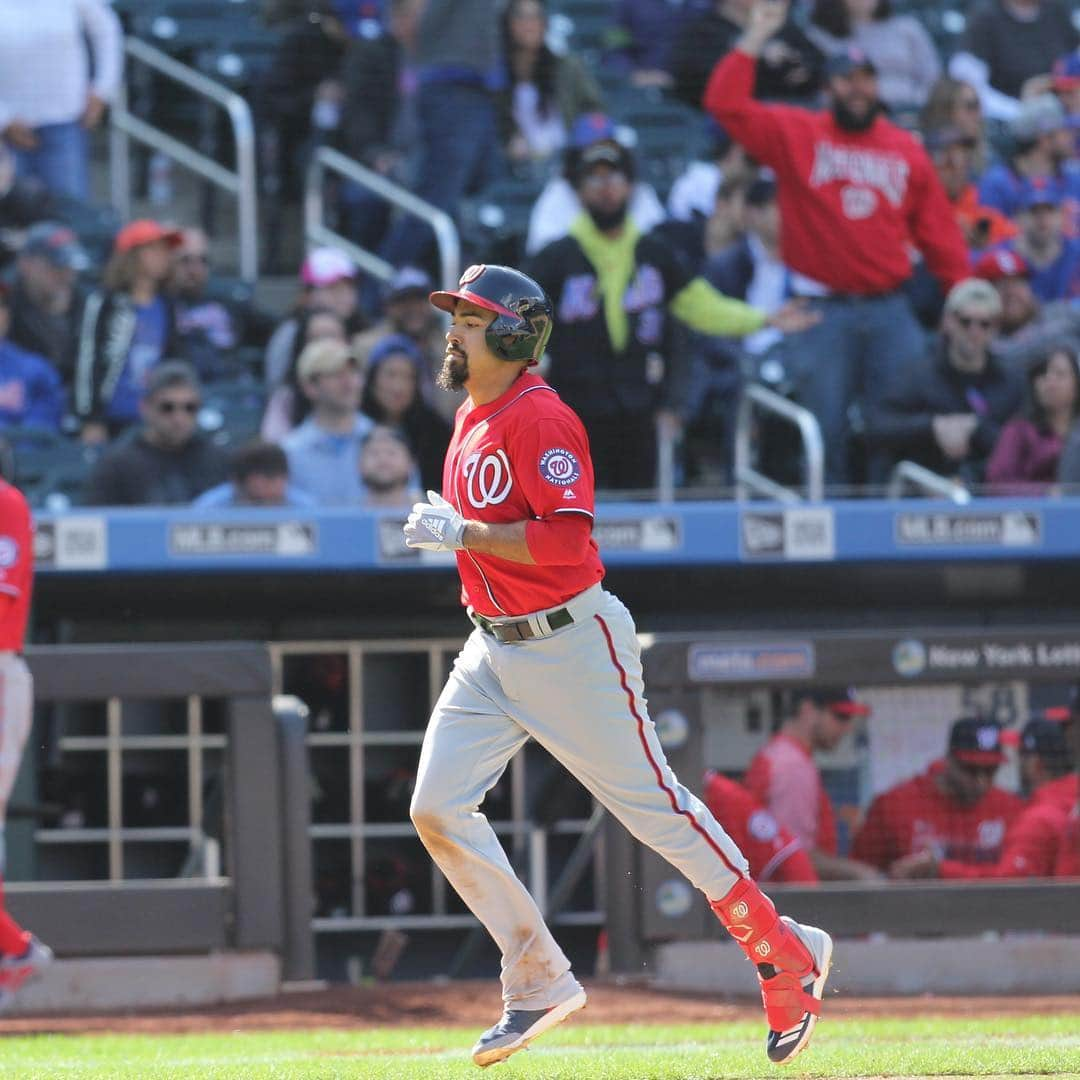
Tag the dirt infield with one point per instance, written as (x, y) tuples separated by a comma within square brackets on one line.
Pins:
[(475, 1004)]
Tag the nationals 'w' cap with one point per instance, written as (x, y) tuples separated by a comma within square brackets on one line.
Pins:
[(1003, 263), (976, 741), (842, 700), (1042, 736)]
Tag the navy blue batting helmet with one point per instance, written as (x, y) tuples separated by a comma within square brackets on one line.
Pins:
[(523, 311)]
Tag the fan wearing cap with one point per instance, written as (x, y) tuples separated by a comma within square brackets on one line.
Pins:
[(904, 54), (1042, 146), (1033, 840), (127, 328), (856, 194), (784, 778), (45, 299), (406, 311), (946, 411), (323, 450), (328, 279), (953, 809), (1053, 259), (1028, 451), (615, 289), (30, 390), (559, 204), (1029, 328)]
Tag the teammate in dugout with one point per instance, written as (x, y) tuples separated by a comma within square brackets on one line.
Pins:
[(555, 657), (1033, 841), (953, 809), (22, 956)]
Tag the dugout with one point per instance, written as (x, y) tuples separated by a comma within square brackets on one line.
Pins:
[(715, 698)]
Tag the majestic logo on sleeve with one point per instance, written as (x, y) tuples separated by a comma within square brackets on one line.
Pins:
[(487, 478), (867, 169), (559, 467)]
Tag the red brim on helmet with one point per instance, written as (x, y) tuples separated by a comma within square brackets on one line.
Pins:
[(445, 301)]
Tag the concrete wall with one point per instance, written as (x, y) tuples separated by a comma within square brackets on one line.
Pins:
[(1048, 964)]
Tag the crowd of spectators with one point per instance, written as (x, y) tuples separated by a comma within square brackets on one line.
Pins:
[(950, 821), (887, 235)]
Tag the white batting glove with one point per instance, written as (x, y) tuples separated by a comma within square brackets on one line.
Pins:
[(435, 525)]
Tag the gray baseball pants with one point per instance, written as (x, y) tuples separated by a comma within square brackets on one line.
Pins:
[(579, 693)]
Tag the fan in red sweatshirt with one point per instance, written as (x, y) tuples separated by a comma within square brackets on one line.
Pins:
[(858, 196), (853, 202), (952, 810)]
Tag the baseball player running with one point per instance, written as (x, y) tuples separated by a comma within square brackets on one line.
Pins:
[(21, 954), (555, 657)]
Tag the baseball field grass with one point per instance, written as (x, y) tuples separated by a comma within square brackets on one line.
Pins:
[(1034, 1045)]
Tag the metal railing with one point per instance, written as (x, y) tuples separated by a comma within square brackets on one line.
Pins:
[(747, 478), (316, 231), (241, 183), (925, 482)]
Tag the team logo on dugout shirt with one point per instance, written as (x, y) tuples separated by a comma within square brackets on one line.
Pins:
[(559, 467)]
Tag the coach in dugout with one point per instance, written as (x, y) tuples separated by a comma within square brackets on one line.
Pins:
[(1032, 841), (784, 777), (952, 809), (856, 195)]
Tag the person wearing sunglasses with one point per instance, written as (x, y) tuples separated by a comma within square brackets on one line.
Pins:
[(167, 460), (946, 410), (953, 809)]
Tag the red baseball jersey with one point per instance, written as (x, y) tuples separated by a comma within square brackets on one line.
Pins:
[(524, 456), (1068, 858), (784, 778), (773, 853), (916, 816), (853, 203), (1031, 844), (16, 567), (1064, 791)]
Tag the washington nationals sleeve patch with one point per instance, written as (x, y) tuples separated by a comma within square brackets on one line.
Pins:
[(559, 467)]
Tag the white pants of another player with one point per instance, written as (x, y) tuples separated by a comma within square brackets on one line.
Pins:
[(579, 694), (16, 710)]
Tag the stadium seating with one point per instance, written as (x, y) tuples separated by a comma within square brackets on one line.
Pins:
[(50, 468)]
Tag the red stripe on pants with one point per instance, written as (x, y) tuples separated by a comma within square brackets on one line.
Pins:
[(649, 754)]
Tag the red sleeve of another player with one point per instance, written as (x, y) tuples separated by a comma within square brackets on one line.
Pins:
[(553, 467), (15, 542)]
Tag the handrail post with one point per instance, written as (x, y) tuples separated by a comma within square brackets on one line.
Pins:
[(241, 182), (926, 481), (326, 159), (120, 158), (748, 478)]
